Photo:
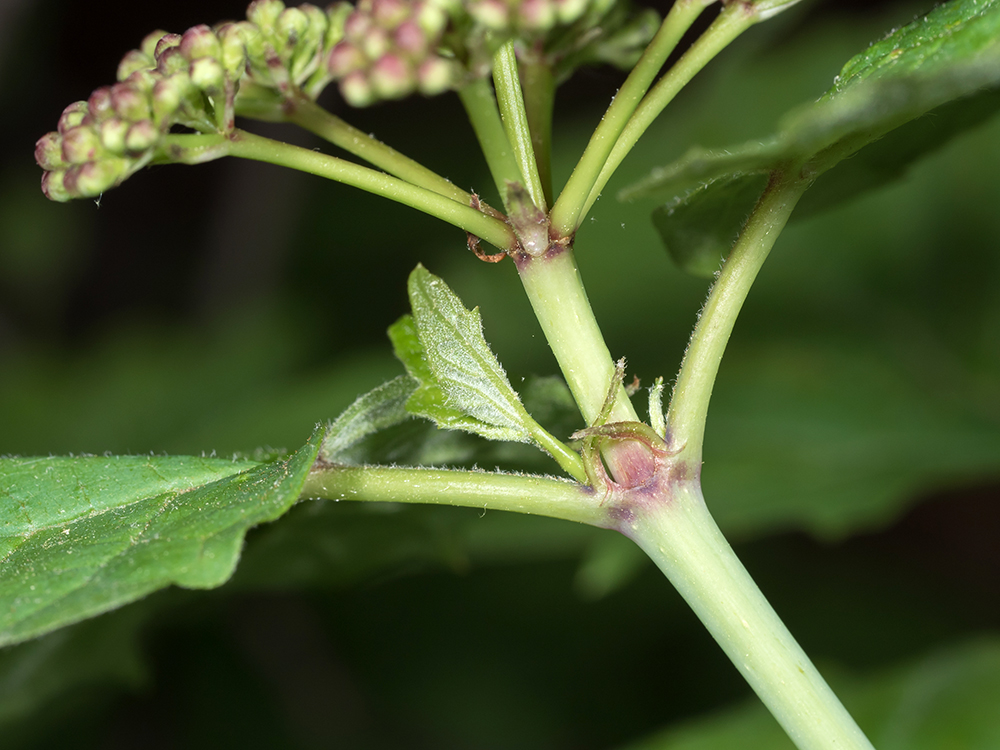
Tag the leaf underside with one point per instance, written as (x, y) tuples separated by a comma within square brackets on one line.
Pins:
[(947, 62), (83, 535)]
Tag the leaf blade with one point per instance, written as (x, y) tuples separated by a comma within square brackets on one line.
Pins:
[(137, 541)]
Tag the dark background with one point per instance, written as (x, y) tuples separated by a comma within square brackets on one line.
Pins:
[(232, 305)]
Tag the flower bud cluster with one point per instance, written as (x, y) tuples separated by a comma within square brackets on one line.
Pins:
[(526, 17), (102, 141), (391, 48)]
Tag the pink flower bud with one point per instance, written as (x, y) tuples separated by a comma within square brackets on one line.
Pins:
[(207, 74), (72, 116), (112, 133), (141, 135), (391, 77), (171, 61), (344, 59), (200, 41), (493, 14), (435, 76), (168, 93), (99, 104), (93, 178), (357, 25), (166, 42), (149, 42), (411, 39), (48, 151), (133, 61), (129, 103), (52, 186), (80, 144), (389, 13), (356, 89), (376, 43), (536, 15)]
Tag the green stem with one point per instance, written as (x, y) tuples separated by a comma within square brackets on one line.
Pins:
[(683, 540), (250, 146), (539, 98), (732, 22), (309, 115), (693, 389), (481, 108), (567, 212), (568, 460), (543, 496), (515, 121), (560, 303)]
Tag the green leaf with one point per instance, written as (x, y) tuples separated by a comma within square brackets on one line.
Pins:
[(462, 386), (948, 61), (81, 536), (945, 700), (377, 410)]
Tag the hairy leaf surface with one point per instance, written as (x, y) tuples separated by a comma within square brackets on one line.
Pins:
[(84, 535), (462, 386)]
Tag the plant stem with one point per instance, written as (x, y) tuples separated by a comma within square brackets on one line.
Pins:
[(481, 107), (732, 22), (683, 540), (515, 121), (536, 495), (309, 115), (539, 90), (693, 389), (566, 214), (250, 146), (568, 460), (560, 303)]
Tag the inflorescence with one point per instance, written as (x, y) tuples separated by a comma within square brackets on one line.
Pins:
[(376, 50)]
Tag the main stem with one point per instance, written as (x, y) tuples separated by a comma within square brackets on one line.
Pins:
[(681, 537)]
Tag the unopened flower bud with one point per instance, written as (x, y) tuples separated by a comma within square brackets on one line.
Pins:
[(356, 25), (234, 51), (166, 42), (143, 80), (129, 103), (569, 11), (168, 93), (141, 135), (493, 14), (99, 105), (289, 27), (265, 13), (345, 58), (149, 42), (536, 15), (171, 61), (52, 186), (435, 76), (391, 77), (112, 133), (411, 39), (72, 116), (133, 61), (432, 18), (80, 144), (337, 16), (356, 89), (200, 41), (48, 151), (207, 74), (93, 178), (389, 13)]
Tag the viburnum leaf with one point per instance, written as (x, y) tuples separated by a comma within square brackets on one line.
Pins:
[(462, 386), (948, 62), (83, 535)]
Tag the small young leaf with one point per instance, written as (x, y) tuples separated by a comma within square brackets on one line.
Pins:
[(947, 61), (376, 410), (462, 384), (81, 536)]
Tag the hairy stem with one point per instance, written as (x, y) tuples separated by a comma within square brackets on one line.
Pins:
[(683, 540), (481, 108), (543, 496), (732, 22), (515, 121), (567, 212), (693, 390), (492, 230), (307, 114)]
